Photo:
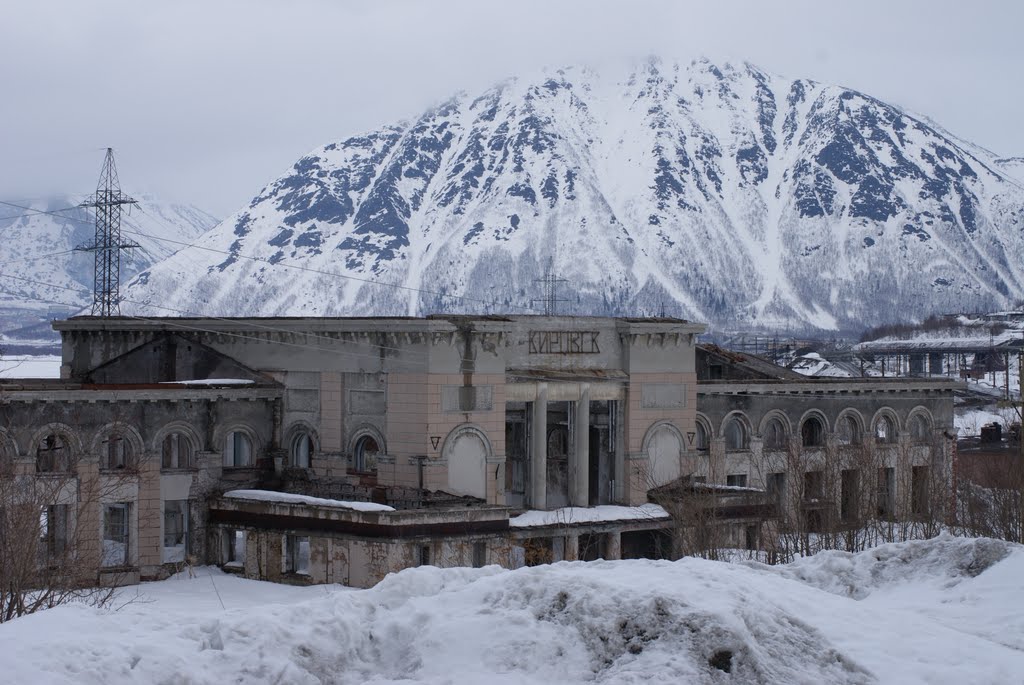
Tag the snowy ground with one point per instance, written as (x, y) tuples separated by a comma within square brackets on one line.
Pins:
[(23, 366), (941, 611)]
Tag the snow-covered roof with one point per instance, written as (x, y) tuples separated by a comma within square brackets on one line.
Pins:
[(572, 515), (290, 498), (211, 381)]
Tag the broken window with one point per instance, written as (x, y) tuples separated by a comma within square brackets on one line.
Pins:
[(919, 428), (775, 435), (735, 435), (296, 556), (885, 430), (775, 488), (479, 554), (920, 491), (849, 498), (53, 455), (116, 453), (234, 548), (736, 480), (701, 439), (364, 455), (814, 485), (302, 449), (848, 431), (751, 537), (175, 530), (53, 533), (237, 450), (885, 496), (517, 446), (812, 432), (176, 452), (115, 534)]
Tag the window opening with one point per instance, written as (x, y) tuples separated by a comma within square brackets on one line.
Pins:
[(176, 452), (775, 435), (237, 450), (115, 534), (297, 554), (116, 453), (735, 435), (812, 433), (364, 456), (52, 455), (53, 532), (302, 448), (736, 480), (479, 554), (886, 493), (175, 530)]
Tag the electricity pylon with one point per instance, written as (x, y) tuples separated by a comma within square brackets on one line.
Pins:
[(108, 202)]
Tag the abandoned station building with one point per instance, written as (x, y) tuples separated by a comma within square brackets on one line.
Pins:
[(339, 450)]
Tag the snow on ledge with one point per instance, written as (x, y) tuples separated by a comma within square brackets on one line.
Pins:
[(211, 381), (571, 515), (290, 498)]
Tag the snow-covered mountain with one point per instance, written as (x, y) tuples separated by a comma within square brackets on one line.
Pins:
[(719, 193), (38, 261)]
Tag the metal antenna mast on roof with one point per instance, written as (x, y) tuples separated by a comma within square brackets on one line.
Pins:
[(108, 202), (550, 286)]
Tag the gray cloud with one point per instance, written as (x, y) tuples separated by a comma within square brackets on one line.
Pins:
[(207, 101)]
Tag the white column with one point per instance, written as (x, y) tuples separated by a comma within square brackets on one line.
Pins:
[(539, 450), (579, 465)]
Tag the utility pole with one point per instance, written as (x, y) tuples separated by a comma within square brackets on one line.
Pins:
[(108, 203)]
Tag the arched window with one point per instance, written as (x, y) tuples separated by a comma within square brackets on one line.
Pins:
[(115, 453), (701, 438), (812, 432), (301, 450), (237, 450), (885, 430), (176, 452), (848, 431), (920, 430), (364, 454), (53, 455), (775, 435), (735, 435)]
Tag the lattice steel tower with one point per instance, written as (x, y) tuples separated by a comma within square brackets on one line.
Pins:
[(108, 203), (549, 284)]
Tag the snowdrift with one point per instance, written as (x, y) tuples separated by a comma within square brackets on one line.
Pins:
[(821, 619)]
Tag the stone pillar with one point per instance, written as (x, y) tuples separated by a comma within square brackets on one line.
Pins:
[(613, 546), (539, 450), (572, 547), (579, 464)]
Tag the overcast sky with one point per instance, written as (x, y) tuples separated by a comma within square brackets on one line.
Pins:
[(205, 102)]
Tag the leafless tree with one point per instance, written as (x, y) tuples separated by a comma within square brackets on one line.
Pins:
[(50, 515)]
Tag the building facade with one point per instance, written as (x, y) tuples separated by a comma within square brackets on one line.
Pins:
[(338, 450)]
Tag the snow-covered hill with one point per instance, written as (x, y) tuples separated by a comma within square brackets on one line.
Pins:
[(718, 192), (938, 611), (39, 263)]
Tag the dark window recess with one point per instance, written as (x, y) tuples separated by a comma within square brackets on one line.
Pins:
[(479, 554), (736, 480)]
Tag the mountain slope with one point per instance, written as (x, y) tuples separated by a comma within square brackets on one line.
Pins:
[(724, 194)]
